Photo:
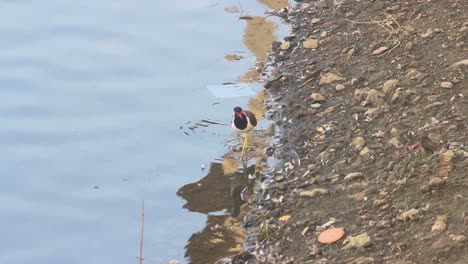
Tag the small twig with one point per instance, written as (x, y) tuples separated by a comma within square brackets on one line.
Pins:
[(142, 230)]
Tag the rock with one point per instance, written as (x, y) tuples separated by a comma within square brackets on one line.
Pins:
[(440, 225), (315, 20), (389, 86), (413, 74), (313, 192), (457, 238), (360, 94), (384, 224), (311, 43), (380, 50), (365, 151), (363, 260), (330, 77), (436, 183), (446, 85), (374, 112), (353, 176), (373, 96), (430, 141), (360, 241), (317, 98), (316, 105), (284, 218), (358, 143), (329, 110), (428, 33), (279, 178), (285, 45), (408, 215), (174, 262), (339, 87), (323, 34), (379, 134), (395, 142), (460, 64)]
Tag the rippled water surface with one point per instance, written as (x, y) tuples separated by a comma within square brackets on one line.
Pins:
[(93, 97)]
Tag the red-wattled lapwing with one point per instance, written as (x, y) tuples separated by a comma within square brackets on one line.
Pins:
[(243, 121)]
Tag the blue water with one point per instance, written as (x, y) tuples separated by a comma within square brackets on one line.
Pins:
[(93, 94)]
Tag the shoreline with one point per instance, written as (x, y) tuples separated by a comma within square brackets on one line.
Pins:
[(370, 101)]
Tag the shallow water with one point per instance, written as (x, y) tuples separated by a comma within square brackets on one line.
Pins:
[(94, 95)]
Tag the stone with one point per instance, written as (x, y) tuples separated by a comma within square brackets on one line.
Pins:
[(339, 87), (363, 260), (460, 64), (365, 151), (330, 77), (360, 241), (329, 110), (457, 238), (373, 96), (395, 142), (389, 86), (436, 183), (430, 141), (428, 33), (353, 176), (413, 74), (316, 105), (311, 43), (314, 192), (442, 242), (315, 20), (440, 225), (358, 143), (361, 94), (174, 262), (374, 112), (285, 45), (317, 98), (408, 215), (380, 50), (446, 85)]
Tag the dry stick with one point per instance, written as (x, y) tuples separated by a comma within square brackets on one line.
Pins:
[(142, 229)]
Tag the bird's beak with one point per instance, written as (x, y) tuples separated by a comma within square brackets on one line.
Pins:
[(239, 114)]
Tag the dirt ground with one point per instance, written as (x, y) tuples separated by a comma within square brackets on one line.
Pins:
[(369, 101)]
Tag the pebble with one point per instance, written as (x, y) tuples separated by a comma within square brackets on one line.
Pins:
[(317, 98), (460, 64), (380, 50), (446, 85), (330, 77), (395, 142), (313, 192), (436, 183), (353, 176), (315, 20), (285, 45), (389, 86), (363, 260), (360, 241), (310, 44), (365, 151), (440, 225), (374, 112), (408, 215), (358, 143), (339, 87), (413, 74)]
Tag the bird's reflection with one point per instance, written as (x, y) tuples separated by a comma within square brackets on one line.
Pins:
[(221, 194)]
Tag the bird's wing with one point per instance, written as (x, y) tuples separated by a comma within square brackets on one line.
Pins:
[(252, 118)]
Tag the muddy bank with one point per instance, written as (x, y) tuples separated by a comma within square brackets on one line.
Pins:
[(370, 100)]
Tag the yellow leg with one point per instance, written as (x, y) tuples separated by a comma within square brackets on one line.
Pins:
[(245, 145)]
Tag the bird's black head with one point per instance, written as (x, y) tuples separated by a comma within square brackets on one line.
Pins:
[(237, 109)]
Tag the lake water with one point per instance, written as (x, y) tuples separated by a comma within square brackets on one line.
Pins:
[(96, 96)]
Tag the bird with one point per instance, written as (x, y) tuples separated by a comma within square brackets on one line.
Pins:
[(243, 121)]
